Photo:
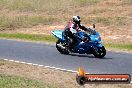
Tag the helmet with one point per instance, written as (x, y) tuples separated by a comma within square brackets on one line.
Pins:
[(76, 19)]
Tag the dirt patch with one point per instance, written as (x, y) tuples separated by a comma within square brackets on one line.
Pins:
[(49, 76)]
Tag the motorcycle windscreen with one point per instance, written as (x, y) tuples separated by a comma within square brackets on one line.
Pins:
[(95, 37), (58, 34)]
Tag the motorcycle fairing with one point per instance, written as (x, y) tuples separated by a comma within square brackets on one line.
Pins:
[(58, 34)]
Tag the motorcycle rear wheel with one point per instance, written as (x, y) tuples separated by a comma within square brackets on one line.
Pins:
[(61, 50)]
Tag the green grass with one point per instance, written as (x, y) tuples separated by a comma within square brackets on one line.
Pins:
[(20, 82), (33, 37), (119, 46), (50, 38)]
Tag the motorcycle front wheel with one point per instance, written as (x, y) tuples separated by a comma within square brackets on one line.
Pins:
[(100, 53)]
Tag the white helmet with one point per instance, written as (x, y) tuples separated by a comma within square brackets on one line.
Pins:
[(76, 19)]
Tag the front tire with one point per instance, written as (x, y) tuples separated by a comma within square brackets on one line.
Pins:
[(100, 53), (61, 50)]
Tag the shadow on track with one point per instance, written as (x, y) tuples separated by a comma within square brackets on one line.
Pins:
[(88, 56)]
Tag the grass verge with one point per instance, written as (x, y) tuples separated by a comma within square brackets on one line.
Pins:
[(50, 38), (32, 37), (119, 46), (7, 81)]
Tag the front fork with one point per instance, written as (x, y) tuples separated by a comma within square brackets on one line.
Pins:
[(96, 47)]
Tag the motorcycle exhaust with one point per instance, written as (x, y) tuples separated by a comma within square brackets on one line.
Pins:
[(59, 45)]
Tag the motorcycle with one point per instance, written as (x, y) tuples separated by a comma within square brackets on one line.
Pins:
[(92, 46)]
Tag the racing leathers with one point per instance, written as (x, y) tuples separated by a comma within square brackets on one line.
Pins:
[(70, 33)]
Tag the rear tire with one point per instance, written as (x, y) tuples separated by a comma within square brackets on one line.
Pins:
[(100, 53), (62, 51)]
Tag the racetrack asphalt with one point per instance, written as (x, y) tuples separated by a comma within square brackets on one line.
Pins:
[(44, 54)]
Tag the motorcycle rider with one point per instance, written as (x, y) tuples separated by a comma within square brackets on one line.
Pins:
[(71, 30)]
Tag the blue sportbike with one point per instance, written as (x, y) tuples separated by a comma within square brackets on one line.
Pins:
[(92, 46)]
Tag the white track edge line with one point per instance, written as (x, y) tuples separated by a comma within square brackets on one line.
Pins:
[(50, 67)]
